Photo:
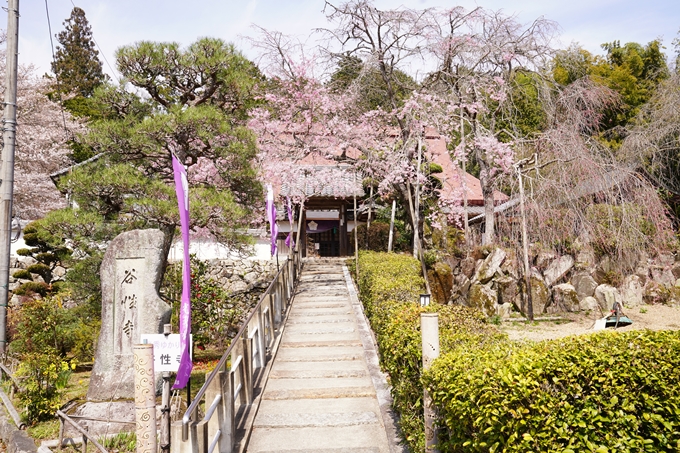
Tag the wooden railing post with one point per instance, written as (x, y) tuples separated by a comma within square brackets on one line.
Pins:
[(85, 440), (228, 423), (248, 369), (213, 391), (61, 432)]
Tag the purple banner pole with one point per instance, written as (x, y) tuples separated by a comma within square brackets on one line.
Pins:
[(290, 243), (271, 217), (182, 190)]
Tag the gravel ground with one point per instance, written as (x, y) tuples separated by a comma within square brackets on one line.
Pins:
[(654, 317)]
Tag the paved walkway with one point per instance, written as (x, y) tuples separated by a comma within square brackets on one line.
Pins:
[(320, 396)]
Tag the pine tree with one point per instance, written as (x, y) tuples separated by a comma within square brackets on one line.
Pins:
[(77, 65)]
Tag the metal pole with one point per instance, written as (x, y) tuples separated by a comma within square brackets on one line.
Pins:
[(145, 398), (165, 408), (356, 225), (7, 165), (463, 181), (390, 243), (525, 247), (416, 218), (429, 330)]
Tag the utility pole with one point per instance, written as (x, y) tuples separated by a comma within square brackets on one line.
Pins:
[(7, 165)]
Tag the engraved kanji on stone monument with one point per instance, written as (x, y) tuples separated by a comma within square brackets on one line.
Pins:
[(127, 295)]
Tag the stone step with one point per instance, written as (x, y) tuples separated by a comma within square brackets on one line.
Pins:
[(305, 393), (320, 354), (314, 343), (324, 450), (317, 374), (322, 365), (319, 406), (321, 312), (354, 439), (315, 420), (317, 320)]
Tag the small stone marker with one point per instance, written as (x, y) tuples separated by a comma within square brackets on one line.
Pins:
[(131, 274), (145, 398)]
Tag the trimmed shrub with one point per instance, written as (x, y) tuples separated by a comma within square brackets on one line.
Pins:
[(23, 274), (41, 269), (605, 392), (390, 286), (29, 288)]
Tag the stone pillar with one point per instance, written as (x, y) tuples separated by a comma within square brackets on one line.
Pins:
[(303, 234), (429, 330), (344, 240), (131, 274), (145, 398)]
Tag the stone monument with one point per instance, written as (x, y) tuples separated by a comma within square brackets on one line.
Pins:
[(131, 274)]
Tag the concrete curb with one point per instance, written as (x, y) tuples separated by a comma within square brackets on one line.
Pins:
[(16, 441), (382, 388)]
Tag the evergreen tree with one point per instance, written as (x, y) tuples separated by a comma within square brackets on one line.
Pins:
[(77, 65)]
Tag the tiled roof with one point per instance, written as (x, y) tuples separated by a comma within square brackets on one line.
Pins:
[(341, 183)]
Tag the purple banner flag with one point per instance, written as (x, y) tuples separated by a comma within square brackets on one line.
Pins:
[(182, 190), (290, 243), (271, 217)]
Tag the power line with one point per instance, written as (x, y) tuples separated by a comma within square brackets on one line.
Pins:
[(56, 76)]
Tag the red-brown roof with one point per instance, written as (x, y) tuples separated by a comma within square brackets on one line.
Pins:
[(436, 152)]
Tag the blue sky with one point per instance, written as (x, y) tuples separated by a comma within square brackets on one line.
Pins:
[(120, 22)]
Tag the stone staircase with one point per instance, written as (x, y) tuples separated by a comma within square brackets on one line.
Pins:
[(320, 395)]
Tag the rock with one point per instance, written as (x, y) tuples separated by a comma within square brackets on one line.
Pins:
[(665, 259), (675, 269), (238, 287), (632, 291), (504, 310), (565, 299), (37, 278), (483, 298), (654, 293), (441, 282), (677, 283), (606, 295), (557, 269), (24, 261), (486, 271), (462, 285), (508, 290), (663, 275), (15, 301), (510, 267), (584, 284), (109, 410), (131, 273), (585, 258), (250, 277), (58, 273), (540, 295), (467, 267), (544, 258), (589, 303)]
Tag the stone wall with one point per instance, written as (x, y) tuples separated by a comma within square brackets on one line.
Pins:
[(241, 275), (494, 283)]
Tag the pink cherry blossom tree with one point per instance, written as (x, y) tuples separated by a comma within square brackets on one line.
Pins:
[(479, 53), (43, 133)]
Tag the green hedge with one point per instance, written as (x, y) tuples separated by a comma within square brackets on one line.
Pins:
[(389, 286), (604, 392), (596, 393)]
